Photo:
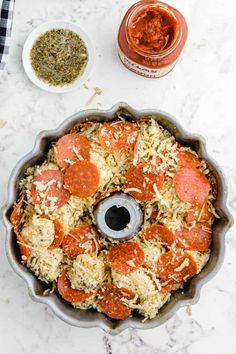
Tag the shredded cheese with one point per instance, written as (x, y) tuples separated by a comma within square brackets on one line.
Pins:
[(87, 272), (155, 148)]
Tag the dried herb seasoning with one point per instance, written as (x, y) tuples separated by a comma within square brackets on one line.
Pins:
[(59, 57)]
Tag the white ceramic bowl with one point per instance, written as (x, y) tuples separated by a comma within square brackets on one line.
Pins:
[(34, 35)]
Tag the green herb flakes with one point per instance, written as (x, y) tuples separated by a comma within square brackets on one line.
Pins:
[(59, 57)]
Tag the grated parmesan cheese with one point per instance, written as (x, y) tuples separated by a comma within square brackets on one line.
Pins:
[(152, 253), (149, 307), (87, 272), (87, 304), (138, 282), (182, 265), (38, 232), (46, 265)]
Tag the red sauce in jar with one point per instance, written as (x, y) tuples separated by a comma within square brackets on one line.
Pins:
[(151, 38), (153, 29)]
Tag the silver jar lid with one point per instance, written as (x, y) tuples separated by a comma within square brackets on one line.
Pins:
[(118, 217)]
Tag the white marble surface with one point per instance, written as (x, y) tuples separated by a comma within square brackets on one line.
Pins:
[(200, 92)]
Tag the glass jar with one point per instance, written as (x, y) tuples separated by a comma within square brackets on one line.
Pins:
[(151, 38)]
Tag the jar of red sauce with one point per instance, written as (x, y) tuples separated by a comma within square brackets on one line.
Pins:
[(151, 38)]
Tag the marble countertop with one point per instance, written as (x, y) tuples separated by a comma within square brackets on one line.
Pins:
[(200, 93)]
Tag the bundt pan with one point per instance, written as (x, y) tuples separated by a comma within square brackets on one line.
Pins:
[(192, 289)]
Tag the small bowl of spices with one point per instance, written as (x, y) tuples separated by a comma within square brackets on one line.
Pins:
[(58, 56)]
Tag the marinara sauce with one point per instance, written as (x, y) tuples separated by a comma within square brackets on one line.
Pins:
[(151, 38)]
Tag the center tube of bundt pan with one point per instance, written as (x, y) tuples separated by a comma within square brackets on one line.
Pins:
[(118, 217)]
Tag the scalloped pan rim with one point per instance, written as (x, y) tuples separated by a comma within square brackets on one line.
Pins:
[(191, 293)]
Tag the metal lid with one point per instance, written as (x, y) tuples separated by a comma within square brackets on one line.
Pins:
[(118, 217)]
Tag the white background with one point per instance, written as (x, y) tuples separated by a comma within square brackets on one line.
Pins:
[(200, 93)]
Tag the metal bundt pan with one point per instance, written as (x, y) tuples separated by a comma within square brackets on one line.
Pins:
[(191, 292)]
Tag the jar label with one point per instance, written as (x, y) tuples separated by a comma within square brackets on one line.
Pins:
[(152, 73)]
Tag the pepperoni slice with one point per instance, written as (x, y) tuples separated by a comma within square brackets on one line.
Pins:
[(82, 179), (175, 267), (48, 187), (111, 301), (70, 148), (191, 186), (159, 232), (199, 213), (80, 126), (82, 239), (187, 159), (135, 150), (144, 119), (69, 294), (167, 286), (154, 215), (59, 235), (24, 250), (118, 136), (15, 219), (125, 257), (197, 238), (140, 181)]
